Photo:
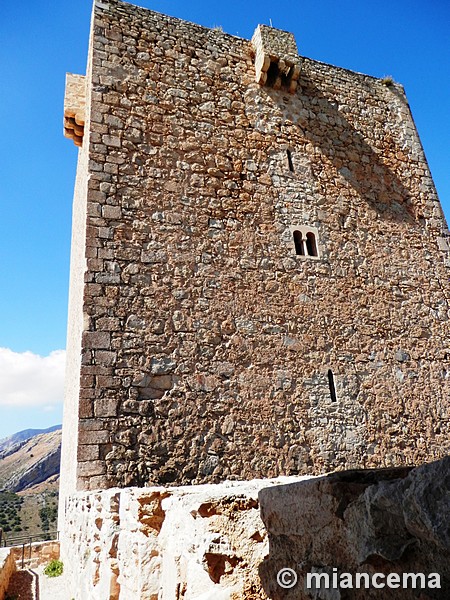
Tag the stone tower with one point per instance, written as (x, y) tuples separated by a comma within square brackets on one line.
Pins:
[(259, 273)]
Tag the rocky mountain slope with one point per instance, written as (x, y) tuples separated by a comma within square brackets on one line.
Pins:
[(13, 442), (30, 458)]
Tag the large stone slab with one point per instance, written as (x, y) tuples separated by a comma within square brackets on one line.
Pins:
[(380, 521)]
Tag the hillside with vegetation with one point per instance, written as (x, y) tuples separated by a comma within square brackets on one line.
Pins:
[(29, 480)]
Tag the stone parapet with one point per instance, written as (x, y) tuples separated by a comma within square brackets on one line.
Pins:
[(194, 542)]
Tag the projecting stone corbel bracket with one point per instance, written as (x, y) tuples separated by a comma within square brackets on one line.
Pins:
[(277, 63), (74, 107)]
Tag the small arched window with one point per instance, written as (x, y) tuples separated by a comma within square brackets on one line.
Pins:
[(299, 243), (311, 245), (305, 240)]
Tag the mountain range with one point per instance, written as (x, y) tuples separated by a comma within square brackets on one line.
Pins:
[(29, 460)]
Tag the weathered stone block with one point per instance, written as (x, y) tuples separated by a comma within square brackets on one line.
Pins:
[(88, 452), (106, 407), (97, 339), (97, 436), (162, 366), (382, 521), (91, 467), (85, 408)]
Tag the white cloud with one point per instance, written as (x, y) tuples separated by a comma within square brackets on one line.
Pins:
[(27, 379)]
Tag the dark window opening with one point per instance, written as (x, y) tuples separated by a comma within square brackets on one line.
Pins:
[(331, 386), (298, 241), (289, 157), (311, 245), (279, 78), (272, 74)]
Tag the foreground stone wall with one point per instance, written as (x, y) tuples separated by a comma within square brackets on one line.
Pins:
[(7, 568), (210, 349), (230, 541), (199, 542)]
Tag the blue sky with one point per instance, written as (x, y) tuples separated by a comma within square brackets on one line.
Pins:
[(41, 40)]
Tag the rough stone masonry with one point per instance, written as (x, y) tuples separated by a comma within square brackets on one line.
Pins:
[(259, 273)]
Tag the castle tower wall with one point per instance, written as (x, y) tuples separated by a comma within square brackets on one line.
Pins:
[(77, 105), (267, 269)]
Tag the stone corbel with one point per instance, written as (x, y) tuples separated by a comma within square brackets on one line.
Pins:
[(277, 62)]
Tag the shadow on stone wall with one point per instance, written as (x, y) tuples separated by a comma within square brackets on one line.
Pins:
[(379, 521), (366, 171)]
